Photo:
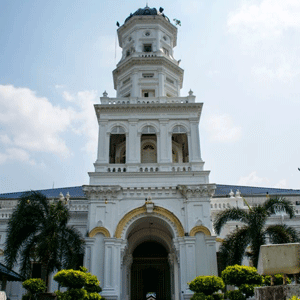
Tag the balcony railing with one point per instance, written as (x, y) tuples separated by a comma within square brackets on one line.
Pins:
[(148, 168), (143, 100)]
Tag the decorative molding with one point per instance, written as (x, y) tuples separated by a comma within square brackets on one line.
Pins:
[(197, 190), (192, 109), (141, 211), (101, 192), (201, 228), (96, 230)]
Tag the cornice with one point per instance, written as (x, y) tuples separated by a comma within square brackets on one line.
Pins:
[(197, 190), (149, 108), (101, 192)]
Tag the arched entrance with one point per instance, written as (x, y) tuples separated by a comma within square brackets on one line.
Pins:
[(150, 272), (149, 261)]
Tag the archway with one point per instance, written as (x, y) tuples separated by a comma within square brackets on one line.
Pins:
[(150, 272), (149, 259)]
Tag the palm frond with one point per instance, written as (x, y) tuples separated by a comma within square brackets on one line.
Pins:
[(230, 214), (234, 246), (277, 204), (280, 234)]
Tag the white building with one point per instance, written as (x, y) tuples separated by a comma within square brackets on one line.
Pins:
[(147, 212), (149, 197)]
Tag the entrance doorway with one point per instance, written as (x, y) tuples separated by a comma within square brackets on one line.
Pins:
[(150, 272)]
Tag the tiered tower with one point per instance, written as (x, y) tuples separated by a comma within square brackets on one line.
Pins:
[(149, 197)]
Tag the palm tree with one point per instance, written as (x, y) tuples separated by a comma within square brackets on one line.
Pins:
[(38, 232), (254, 232)]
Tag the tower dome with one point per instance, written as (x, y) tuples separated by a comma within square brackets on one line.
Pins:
[(147, 11)]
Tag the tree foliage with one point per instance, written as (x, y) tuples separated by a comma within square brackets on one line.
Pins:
[(206, 284), (38, 232), (243, 277), (254, 232), (80, 285)]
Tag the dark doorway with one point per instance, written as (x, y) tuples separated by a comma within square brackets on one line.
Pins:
[(150, 272)]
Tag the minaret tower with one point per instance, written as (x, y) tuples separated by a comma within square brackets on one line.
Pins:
[(149, 196)]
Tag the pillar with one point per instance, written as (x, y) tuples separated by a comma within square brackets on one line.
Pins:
[(112, 269)]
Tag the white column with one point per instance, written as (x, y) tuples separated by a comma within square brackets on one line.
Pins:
[(165, 142), (212, 254), (112, 270), (194, 142), (133, 143), (103, 143), (135, 85), (187, 263), (89, 245), (127, 262), (161, 84)]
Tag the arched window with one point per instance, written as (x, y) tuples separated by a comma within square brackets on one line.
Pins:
[(180, 144), (117, 146), (148, 145)]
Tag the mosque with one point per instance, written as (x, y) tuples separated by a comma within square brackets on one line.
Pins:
[(147, 212)]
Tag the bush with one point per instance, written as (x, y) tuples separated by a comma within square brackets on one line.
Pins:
[(81, 285), (72, 279), (238, 275), (198, 296), (34, 285), (294, 298), (278, 280), (235, 295), (206, 285)]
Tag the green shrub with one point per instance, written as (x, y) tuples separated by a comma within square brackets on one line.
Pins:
[(235, 295), (248, 289), (206, 284), (238, 275), (92, 284), (278, 280), (81, 285), (72, 279), (27, 296), (218, 296), (94, 296), (198, 296), (294, 298), (34, 285)]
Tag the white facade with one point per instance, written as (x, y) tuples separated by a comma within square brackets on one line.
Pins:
[(149, 187)]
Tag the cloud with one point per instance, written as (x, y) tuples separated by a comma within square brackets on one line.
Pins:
[(222, 129), (283, 73), (86, 121), (32, 123), (253, 180), (281, 184), (16, 154), (266, 20), (67, 96)]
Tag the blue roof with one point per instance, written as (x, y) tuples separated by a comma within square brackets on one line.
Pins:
[(222, 190), (75, 192)]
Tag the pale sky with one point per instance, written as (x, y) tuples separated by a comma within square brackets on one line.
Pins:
[(241, 58)]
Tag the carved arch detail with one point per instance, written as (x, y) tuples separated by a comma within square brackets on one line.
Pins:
[(96, 230), (141, 212), (201, 228)]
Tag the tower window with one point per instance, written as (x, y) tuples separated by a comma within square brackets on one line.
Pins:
[(147, 48), (148, 75), (148, 93)]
